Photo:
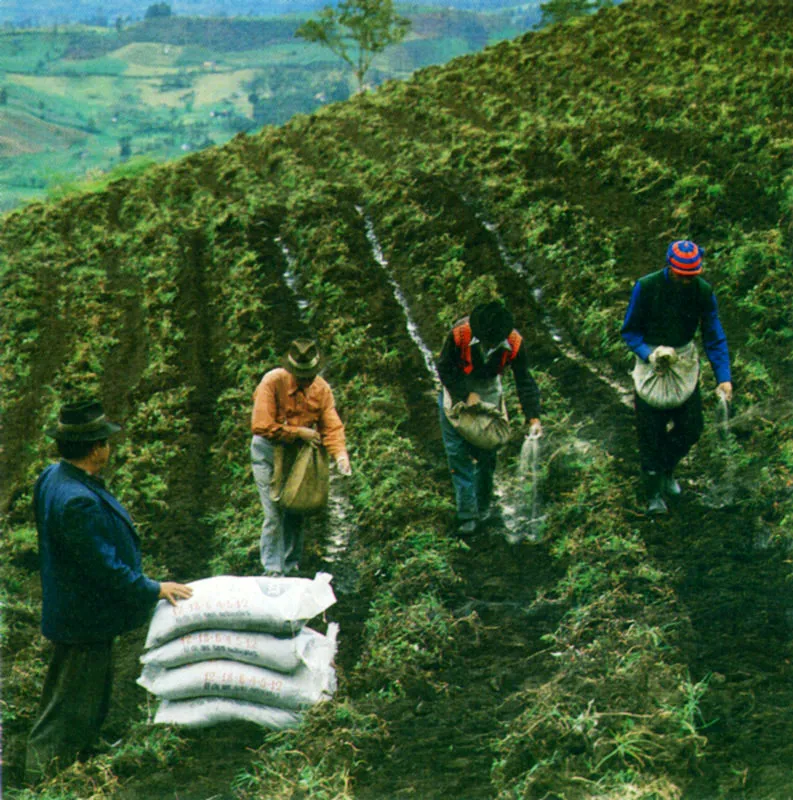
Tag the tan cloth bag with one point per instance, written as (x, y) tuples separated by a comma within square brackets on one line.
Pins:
[(674, 385), (484, 425), (301, 478)]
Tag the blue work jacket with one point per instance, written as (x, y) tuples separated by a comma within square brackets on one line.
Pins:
[(91, 575), (663, 312)]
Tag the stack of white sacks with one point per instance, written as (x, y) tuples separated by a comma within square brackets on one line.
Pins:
[(239, 649)]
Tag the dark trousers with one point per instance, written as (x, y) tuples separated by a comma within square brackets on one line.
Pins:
[(472, 468), (74, 704), (666, 435)]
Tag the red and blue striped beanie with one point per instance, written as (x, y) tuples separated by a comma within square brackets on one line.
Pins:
[(684, 257)]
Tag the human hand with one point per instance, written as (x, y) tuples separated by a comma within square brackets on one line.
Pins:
[(725, 390), (343, 464), (172, 592), (662, 357), (310, 436)]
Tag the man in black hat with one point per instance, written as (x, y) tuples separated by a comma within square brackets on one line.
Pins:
[(291, 404), (93, 588), (474, 356)]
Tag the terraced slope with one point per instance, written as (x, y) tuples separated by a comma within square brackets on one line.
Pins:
[(614, 656)]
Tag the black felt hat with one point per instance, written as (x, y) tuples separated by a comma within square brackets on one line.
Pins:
[(82, 422), (491, 322)]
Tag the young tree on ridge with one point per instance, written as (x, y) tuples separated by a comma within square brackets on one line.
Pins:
[(157, 11), (562, 10), (356, 31)]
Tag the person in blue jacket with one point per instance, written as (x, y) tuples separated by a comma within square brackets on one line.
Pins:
[(666, 309), (93, 588)]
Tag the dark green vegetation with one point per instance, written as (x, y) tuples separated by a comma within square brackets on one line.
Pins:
[(564, 10), (617, 658), (79, 102)]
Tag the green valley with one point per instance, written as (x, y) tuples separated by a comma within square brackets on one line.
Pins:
[(77, 102)]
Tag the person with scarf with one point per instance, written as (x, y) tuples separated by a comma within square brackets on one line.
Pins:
[(666, 309)]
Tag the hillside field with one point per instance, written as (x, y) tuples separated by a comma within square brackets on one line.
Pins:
[(575, 650)]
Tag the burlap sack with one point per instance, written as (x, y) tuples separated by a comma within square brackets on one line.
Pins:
[(672, 386), (301, 478), (483, 424)]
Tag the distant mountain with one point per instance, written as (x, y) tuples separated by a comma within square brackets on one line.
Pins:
[(49, 12)]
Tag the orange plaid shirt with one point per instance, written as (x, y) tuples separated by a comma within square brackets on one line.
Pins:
[(280, 407)]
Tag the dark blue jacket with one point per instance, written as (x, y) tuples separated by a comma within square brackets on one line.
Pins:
[(92, 581), (664, 312)]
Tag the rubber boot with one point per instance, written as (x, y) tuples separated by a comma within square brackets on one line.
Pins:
[(653, 482), (466, 527), (671, 488), (491, 515)]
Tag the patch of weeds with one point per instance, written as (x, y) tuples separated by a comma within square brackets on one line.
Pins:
[(237, 530), (405, 646), (319, 759)]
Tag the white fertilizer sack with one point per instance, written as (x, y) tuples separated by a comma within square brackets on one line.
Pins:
[(231, 679), (267, 605), (201, 712), (261, 649), (311, 682)]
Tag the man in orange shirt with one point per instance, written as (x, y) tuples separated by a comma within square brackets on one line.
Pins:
[(291, 404)]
